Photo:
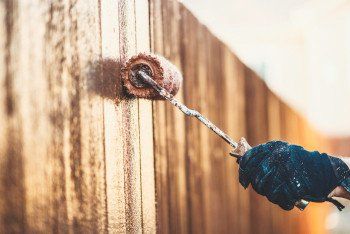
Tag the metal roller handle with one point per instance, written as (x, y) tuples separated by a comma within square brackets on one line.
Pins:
[(239, 148)]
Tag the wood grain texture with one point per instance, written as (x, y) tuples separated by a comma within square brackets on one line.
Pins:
[(113, 130), (220, 86), (129, 124), (175, 134), (71, 145), (146, 127), (78, 156), (159, 123), (193, 150), (13, 203)]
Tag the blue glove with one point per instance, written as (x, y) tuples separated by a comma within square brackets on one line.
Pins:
[(286, 173)]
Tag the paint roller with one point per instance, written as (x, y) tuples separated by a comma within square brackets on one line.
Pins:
[(153, 77)]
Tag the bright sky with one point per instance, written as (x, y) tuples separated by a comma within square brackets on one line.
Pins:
[(300, 47)]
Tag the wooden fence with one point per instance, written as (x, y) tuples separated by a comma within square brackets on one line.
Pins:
[(196, 182), (77, 156)]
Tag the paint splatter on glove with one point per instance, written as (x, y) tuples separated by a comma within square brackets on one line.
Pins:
[(286, 173)]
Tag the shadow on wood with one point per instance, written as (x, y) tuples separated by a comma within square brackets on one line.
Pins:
[(104, 79)]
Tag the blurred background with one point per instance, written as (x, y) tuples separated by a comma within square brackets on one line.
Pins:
[(301, 49), (78, 155)]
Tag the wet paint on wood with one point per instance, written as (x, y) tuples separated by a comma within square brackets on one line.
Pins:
[(71, 143), (78, 156)]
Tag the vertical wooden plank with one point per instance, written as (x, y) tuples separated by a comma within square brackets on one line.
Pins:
[(202, 85), (44, 114), (33, 122), (3, 122), (54, 65), (94, 123), (195, 172), (274, 116), (113, 117), (86, 185), (3, 42), (175, 129), (3, 115), (159, 126), (230, 121), (146, 127), (217, 157), (63, 116), (241, 124), (130, 125), (257, 126), (12, 211)]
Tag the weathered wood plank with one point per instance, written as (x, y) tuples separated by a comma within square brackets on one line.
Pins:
[(231, 124), (77, 156), (146, 127), (85, 119), (241, 124), (175, 129), (12, 186), (217, 155), (130, 124), (51, 113), (112, 90), (159, 126), (193, 152), (203, 106), (257, 133), (54, 66)]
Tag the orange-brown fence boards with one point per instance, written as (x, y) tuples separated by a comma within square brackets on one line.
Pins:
[(215, 149), (230, 103), (129, 125), (202, 103), (85, 178), (112, 118), (75, 156), (135, 125), (169, 126), (196, 183), (257, 133), (176, 146), (241, 130), (256, 108), (175, 134), (340, 146), (159, 126), (195, 180), (146, 127), (12, 187), (59, 122)]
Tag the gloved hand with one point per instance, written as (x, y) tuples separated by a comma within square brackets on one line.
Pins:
[(286, 173)]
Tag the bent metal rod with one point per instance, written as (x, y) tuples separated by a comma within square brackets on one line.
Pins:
[(187, 111), (301, 204)]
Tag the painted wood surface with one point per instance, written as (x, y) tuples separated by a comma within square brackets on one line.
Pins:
[(77, 156), (197, 185)]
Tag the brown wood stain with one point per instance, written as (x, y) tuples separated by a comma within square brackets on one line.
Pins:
[(78, 155)]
